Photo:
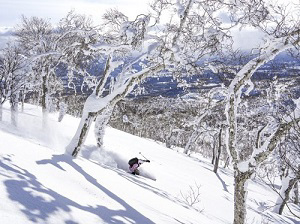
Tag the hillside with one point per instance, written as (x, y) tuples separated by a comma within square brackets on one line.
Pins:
[(39, 183)]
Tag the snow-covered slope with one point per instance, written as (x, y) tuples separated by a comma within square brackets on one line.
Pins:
[(39, 183)]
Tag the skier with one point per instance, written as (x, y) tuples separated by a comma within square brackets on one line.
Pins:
[(134, 163)]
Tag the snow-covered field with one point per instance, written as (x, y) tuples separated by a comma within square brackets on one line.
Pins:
[(39, 183)]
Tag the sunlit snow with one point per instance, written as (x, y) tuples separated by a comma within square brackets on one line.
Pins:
[(39, 183)]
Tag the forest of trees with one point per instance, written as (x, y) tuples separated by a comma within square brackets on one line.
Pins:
[(257, 135)]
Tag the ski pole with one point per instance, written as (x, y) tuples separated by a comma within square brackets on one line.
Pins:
[(143, 155)]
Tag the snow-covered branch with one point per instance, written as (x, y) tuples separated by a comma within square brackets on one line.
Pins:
[(94, 104), (272, 49)]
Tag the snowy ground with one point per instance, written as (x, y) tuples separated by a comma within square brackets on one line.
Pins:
[(39, 183)]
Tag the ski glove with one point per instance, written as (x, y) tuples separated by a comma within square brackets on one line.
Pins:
[(147, 161)]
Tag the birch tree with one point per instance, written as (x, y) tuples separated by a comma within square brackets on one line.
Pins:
[(245, 169), (47, 47), (37, 38), (191, 33), (76, 36), (282, 30), (289, 156), (12, 79)]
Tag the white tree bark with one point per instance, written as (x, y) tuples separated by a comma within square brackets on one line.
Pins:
[(100, 124), (218, 152), (82, 131), (243, 168), (62, 111), (296, 193), (287, 184), (1, 111), (95, 105), (14, 109)]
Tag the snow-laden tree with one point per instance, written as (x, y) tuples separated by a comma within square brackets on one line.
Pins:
[(191, 32), (46, 48), (37, 38), (289, 158), (208, 120), (158, 118), (281, 27), (77, 35), (12, 78), (283, 164), (62, 110)]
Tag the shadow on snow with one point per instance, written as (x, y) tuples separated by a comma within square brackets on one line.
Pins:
[(24, 191)]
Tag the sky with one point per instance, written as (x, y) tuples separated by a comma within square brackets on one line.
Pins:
[(12, 10)]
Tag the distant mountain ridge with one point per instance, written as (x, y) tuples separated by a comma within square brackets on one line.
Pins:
[(283, 66)]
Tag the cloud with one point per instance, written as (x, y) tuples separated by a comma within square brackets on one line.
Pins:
[(12, 10), (247, 39)]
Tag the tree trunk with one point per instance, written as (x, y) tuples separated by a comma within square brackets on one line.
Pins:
[(44, 92), (218, 154), (1, 106), (100, 124), (191, 140), (22, 99), (214, 155), (45, 96), (14, 110), (240, 196), (62, 111), (168, 143), (1, 110), (226, 164), (286, 187), (168, 138), (296, 190), (81, 133)]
